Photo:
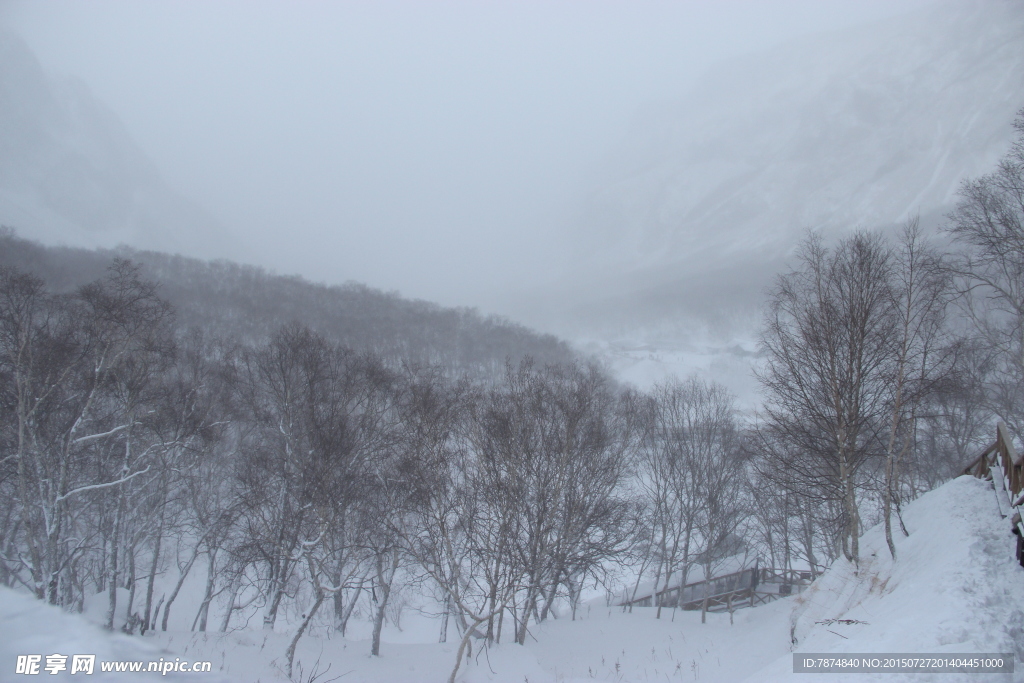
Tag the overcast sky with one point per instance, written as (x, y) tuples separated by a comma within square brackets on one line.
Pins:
[(436, 148)]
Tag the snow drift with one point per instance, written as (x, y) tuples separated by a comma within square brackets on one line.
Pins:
[(29, 627)]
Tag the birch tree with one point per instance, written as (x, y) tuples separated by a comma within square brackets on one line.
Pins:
[(988, 224), (828, 338), (923, 352), (70, 358)]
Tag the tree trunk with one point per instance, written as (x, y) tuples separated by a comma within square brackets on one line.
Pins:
[(320, 595), (704, 603), (112, 565), (549, 599), (444, 621), (235, 590), (351, 607), (133, 619), (529, 606), (808, 538), (384, 583), (149, 617), (204, 608), (574, 594), (492, 599), (150, 580), (463, 647), (854, 517), (887, 505), (177, 587)]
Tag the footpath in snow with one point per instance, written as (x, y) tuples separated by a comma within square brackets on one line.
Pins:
[(954, 589)]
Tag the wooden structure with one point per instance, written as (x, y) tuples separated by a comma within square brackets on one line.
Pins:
[(779, 583), (745, 588), (1001, 463)]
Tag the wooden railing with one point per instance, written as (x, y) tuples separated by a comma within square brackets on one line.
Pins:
[(1001, 463), (747, 587)]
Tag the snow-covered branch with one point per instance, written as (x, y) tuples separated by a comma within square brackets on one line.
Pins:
[(94, 437), (93, 487)]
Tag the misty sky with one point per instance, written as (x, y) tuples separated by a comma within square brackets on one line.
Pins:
[(436, 148)]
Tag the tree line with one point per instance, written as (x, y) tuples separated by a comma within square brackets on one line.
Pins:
[(888, 361), (296, 474), (246, 303)]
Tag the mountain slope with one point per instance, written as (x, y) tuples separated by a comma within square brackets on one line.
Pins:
[(862, 128), (955, 588), (246, 303), (70, 172)]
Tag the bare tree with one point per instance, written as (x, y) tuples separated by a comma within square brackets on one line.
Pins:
[(988, 222), (79, 364), (282, 383), (957, 420), (827, 337), (40, 353), (923, 352), (323, 431), (552, 451), (688, 421), (188, 418)]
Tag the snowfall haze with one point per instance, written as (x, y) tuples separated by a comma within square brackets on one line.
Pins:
[(435, 148), (628, 176), (351, 330)]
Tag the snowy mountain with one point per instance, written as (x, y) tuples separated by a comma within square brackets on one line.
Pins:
[(699, 207), (70, 173), (863, 127)]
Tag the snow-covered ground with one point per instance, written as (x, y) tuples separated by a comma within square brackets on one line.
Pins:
[(29, 627), (954, 589), (727, 360)]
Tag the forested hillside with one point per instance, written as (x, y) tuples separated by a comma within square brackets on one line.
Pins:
[(247, 303), (308, 444)]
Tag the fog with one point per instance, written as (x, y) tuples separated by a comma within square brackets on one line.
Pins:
[(441, 149), (628, 176)]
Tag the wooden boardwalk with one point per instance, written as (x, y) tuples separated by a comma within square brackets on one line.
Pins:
[(1001, 464), (745, 588)]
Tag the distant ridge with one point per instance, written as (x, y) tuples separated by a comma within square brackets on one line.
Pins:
[(247, 303)]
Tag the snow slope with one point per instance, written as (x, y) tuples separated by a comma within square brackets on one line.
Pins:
[(955, 588), (29, 627)]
